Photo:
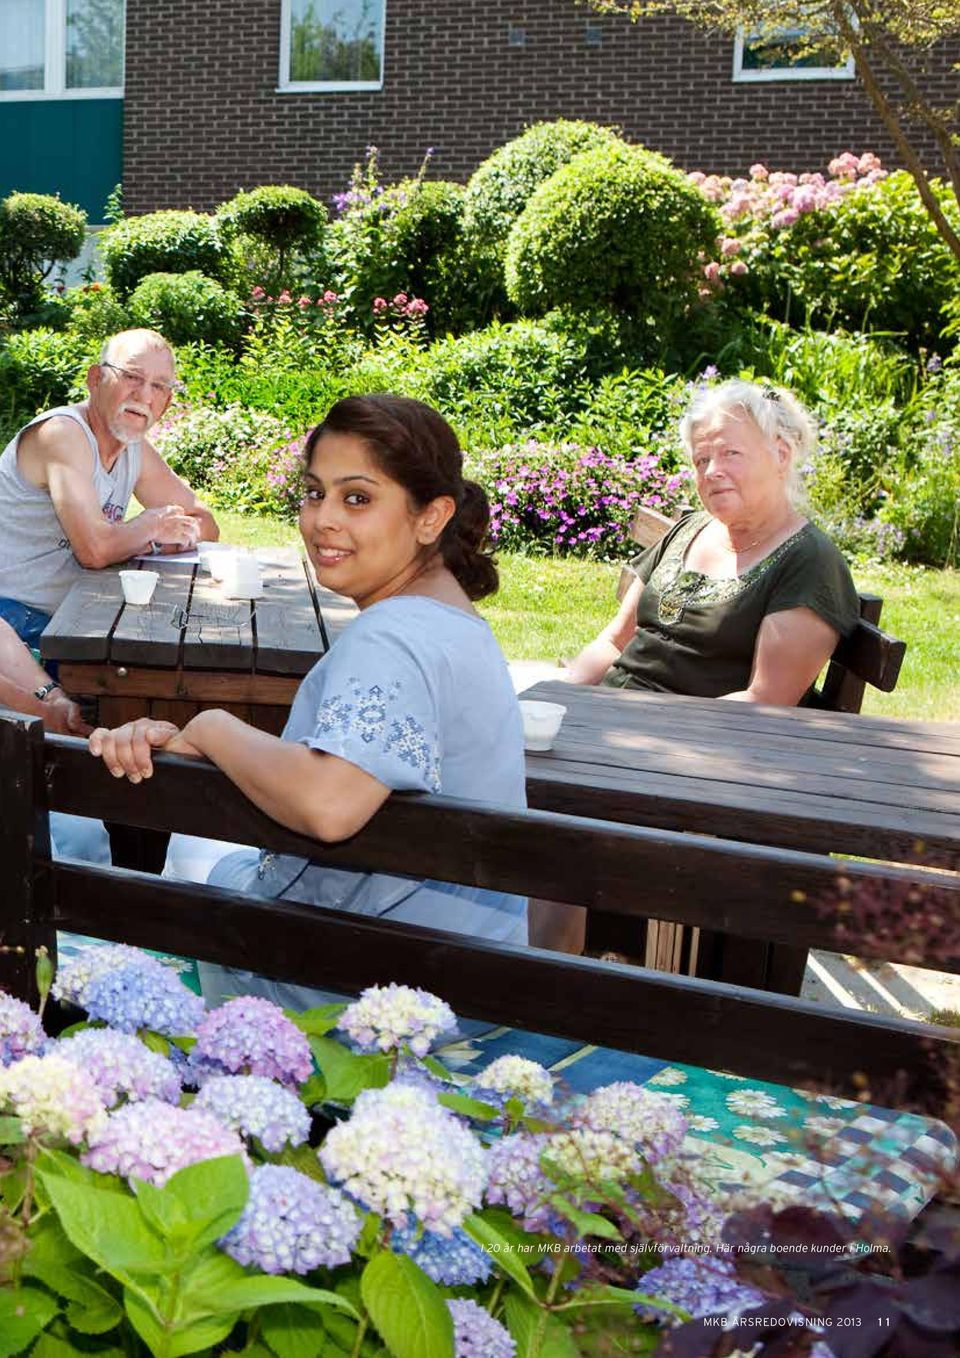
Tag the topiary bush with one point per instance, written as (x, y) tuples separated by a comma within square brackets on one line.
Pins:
[(186, 307), (284, 222), (164, 242), (616, 226), (37, 231)]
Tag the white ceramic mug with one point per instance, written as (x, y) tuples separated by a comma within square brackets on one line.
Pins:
[(241, 576), (212, 556), (138, 586), (541, 722)]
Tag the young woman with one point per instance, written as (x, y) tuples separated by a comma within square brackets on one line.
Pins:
[(414, 696)]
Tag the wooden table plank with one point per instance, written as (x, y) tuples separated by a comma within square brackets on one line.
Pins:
[(152, 634), (219, 632), (289, 637), (81, 627)]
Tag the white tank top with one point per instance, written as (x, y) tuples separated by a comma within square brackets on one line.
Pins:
[(37, 564)]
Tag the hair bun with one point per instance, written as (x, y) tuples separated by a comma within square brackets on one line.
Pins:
[(463, 543)]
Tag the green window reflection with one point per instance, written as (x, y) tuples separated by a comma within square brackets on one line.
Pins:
[(336, 41)]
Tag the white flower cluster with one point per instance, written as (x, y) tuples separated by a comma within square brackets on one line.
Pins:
[(592, 1154), (52, 1097), (650, 1121), (401, 1153), (515, 1075), (393, 1016)]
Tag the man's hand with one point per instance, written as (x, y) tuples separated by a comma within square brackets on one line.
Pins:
[(62, 717), (172, 526), (128, 750)]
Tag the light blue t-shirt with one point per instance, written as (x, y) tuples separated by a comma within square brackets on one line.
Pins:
[(418, 694)]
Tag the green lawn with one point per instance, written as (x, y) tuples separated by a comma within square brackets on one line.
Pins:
[(547, 608)]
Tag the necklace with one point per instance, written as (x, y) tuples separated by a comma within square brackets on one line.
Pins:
[(749, 546)]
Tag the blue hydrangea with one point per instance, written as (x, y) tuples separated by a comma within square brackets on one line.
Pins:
[(20, 1030), (132, 997), (476, 1334), (121, 1065), (258, 1107), (453, 1260), (701, 1284), (292, 1224)]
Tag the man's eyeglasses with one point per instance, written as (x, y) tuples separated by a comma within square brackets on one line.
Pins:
[(134, 379)]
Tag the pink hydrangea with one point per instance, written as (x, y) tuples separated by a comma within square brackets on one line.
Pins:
[(152, 1140), (251, 1036)]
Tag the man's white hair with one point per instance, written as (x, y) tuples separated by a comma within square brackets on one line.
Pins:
[(776, 412), (140, 339)]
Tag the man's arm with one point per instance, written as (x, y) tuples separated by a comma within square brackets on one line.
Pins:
[(21, 677), (55, 456), (159, 485)]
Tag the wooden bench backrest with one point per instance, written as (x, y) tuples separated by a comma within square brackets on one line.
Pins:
[(867, 656), (700, 879)]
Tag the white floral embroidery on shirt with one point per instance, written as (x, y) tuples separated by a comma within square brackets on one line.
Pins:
[(366, 716)]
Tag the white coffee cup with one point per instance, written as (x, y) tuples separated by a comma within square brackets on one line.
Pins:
[(241, 576), (138, 586), (541, 722), (212, 556)]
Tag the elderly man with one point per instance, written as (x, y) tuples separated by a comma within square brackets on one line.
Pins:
[(67, 477)]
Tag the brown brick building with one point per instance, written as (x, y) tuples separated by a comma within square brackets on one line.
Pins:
[(206, 113)]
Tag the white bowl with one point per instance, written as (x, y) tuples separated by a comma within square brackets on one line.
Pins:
[(138, 586), (541, 722)]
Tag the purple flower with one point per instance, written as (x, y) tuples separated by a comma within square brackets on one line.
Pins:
[(134, 997), (701, 1284), (251, 1036), (516, 1179), (76, 973), (292, 1224), (258, 1107), (476, 1334), (20, 1030), (120, 1065), (152, 1140), (452, 1261)]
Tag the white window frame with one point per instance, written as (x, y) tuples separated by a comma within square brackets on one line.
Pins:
[(55, 64), (747, 76), (288, 86)]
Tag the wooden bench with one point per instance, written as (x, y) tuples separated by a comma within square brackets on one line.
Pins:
[(867, 656), (586, 862)]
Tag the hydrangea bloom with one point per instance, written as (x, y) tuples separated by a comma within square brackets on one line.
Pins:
[(515, 1075), (476, 1334), (452, 1261), (121, 1065), (75, 974), (592, 1154), (258, 1107), (401, 1153), (648, 1120), (515, 1179), (389, 1017), (251, 1036), (701, 1284), (20, 1029), (152, 1140), (131, 997), (52, 1097), (292, 1224)]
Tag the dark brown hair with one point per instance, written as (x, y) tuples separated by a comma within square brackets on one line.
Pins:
[(413, 444)]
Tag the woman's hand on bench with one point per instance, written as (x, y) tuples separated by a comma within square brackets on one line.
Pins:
[(128, 750)]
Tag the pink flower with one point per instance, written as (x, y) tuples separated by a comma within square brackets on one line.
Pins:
[(844, 166), (400, 300), (379, 305), (787, 217), (258, 294), (330, 297), (738, 268), (759, 171), (303, 302), (729, 245), (711, 270), (284, 299)]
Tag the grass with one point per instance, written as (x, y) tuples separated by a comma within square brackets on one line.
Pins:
[(548, 607)]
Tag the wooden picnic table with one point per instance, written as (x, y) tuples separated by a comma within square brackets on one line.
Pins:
[(191, 647), (823, 782)]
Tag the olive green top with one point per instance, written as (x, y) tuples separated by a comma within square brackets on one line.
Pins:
[(697, 635)]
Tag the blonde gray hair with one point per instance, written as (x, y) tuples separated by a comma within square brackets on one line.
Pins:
[(776, 412), (144, 339)]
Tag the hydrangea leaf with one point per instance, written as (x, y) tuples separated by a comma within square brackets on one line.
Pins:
[(587, 1223), (502, 1251), (537, 1333), (407, 1309), (24, 1312), (108, 1227), (175, 1339), (293, 1331), (316, 1022), (11, 1131), (346, 1073), (470, 1108), (60, 1266), (198, 1204)]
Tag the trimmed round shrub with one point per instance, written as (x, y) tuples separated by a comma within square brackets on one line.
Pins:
[(163, 242), (502, 186), (36, 232), (186, 307), (283, 220), (94, 312), (618, 227)]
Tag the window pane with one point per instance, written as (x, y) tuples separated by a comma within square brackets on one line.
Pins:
[(783, 51), (335, 40), (94, 44), (21, 44)]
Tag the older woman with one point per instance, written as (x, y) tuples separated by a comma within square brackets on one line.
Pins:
[(745, 599)]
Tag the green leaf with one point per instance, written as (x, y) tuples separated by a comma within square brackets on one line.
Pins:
[(316, 1022), (197, 1205), (51, 1345), (61, 1267), (537, 1334), (587, 1223), (313, 1090), (471, 1108), (218, 1283), (346, 1073), (13, 1185), (437, 1068), (302, 1158), (11, 1131), (108, 1227), (408, 1309), (293, 1331), (173, 1340), (24, 1312), (502, 1251), (155, 1041)]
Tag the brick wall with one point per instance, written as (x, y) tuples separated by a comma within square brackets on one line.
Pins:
[(203, 118)]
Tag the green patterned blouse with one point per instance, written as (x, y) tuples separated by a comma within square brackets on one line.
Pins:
[(697, 635)]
